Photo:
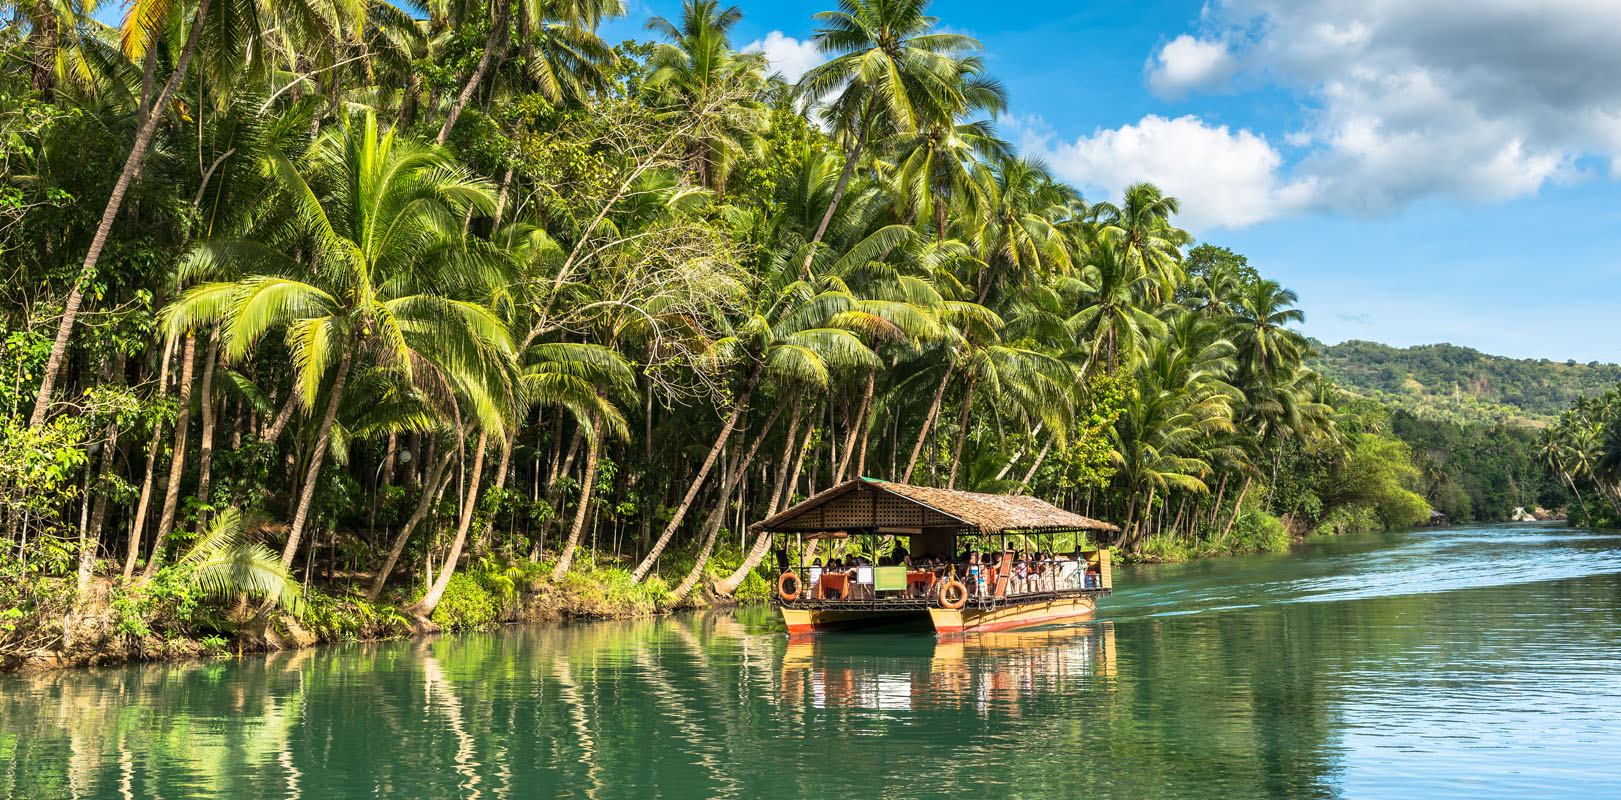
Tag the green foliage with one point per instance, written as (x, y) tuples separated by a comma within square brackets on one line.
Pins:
[(467, 605), (1447, 383)]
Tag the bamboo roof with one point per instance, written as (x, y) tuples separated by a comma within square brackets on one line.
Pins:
[(872, 504)]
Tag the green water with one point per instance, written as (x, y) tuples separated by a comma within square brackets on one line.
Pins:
[(1469, 662)]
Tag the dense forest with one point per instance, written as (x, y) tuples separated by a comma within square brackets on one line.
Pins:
[(406, 319), (1583, 451), (1448, 383)]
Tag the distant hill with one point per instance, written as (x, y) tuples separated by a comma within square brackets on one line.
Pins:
[(1458, 384)]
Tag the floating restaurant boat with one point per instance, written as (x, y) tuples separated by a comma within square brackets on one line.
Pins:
[(915, 550)]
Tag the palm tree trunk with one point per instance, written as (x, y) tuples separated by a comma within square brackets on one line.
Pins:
[(1040, 457), (712, 525), (565, 557), (42, 38), (421, 609), (1238, 505), (762, 542), (850, 436), (838, 192), (205, 446), (115, 201), (283, 416), (177, 459), (138, 528), (928, 423), (90, 537), (431, 486), (500, 481), (307, 495), (799, 467), (962, 434), (865, 422), (1587, 518), (492, 45), (698, 480)]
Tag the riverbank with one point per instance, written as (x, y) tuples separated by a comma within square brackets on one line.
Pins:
[(116, 622)]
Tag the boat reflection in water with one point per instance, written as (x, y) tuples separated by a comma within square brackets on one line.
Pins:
[(991, 673)]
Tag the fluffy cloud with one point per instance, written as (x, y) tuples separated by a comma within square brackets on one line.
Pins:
[(1223, 178), (1187, 64), (1413, 99), (786, 54)]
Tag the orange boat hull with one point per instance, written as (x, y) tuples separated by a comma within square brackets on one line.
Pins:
[(1010, 617)]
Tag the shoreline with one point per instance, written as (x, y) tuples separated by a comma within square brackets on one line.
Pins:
[(96, 636)]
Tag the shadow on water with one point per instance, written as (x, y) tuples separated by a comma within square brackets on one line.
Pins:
[(1452, 663)]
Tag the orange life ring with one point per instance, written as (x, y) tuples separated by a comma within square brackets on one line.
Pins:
[(782, 586), (953, 588)]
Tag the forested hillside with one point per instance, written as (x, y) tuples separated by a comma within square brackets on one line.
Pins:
[(1449, 383)]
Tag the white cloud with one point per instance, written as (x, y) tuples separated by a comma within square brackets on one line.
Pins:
[(786, 54), (1187, 64), (1223, 178), (1411, 99)]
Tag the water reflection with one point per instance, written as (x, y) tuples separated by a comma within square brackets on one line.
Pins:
[(1419, 664), (992, 672)]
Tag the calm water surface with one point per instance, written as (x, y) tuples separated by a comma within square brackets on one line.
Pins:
[(1469, 662)]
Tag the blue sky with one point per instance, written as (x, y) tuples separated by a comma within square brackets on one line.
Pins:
[(1418, 172)]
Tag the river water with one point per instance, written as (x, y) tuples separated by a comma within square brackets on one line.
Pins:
[(1465, 662)]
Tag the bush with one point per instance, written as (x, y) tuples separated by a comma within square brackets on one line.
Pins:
[(754, 589), (611, 589), (1258, 532), (466, 605)]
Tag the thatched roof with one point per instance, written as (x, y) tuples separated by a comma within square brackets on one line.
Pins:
[(868, 503)]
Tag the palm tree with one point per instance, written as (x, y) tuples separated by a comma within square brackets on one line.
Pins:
[(1143, 218), (892, 73), (935, 166), (1114, 293), (571, 50), (1016, 236), (143, 24), (1260, 316), (391, 279), (699, 67)]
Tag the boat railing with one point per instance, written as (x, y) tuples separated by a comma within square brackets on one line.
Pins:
[(920, 586)]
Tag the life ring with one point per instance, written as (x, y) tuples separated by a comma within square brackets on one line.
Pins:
[(953, 589), (788, 578)]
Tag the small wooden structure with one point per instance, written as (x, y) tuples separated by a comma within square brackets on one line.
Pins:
[(994, 596)]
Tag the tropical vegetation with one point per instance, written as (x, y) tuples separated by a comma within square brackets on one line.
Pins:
[(473, 305)]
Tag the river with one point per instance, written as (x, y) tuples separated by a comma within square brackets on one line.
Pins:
[(1464, 662)]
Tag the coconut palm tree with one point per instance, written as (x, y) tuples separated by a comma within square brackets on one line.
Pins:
[(891, 72), (1143, 219), (1114, 295), (570, 53), (1261, 314), (390, 279), (698, 67)]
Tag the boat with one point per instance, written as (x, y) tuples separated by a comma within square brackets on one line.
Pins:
[(936, 557)]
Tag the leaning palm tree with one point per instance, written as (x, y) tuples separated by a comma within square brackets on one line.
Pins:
[(568, 47), (891, 72), (388, 277)]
